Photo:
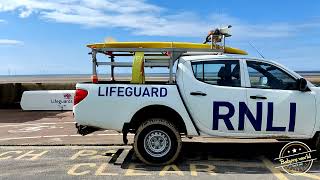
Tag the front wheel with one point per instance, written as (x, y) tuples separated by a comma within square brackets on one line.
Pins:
[(157, 142), (317, 145)]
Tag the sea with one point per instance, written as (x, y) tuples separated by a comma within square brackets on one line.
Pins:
[(74, 78), (71, 78)]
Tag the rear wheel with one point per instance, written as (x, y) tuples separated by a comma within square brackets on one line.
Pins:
[(157, 142)]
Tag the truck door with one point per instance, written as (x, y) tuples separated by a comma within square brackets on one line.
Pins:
[(212, 91), (274, 99)]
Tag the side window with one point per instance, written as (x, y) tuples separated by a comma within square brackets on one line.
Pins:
[(198, 71), (267, 76), (221, 73)]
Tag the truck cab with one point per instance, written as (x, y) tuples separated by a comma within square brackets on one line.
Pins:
[(247, 97)]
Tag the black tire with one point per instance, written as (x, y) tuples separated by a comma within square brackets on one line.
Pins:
[(157, 135), (317, 145)]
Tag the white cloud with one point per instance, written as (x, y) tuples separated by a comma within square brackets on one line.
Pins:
[(10, 42), (2, 21), (143, 18)]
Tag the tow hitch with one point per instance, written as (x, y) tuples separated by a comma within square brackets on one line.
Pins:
[(84, 130)]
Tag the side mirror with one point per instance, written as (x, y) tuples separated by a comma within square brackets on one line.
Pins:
[(302, 84)]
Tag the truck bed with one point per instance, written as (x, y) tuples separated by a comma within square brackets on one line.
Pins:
[(111, 104)]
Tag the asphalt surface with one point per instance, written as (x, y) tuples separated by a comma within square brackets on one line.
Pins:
[(44, 145), (48, 128)]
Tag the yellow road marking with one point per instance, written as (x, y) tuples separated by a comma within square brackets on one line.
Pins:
[(104, 154), (73, 170), (32, 155), (83, 153), (310, 176), (54, 136), (274, 171), (175, 169), (133, 171), (101, 171), (205, 167), (8, 152)]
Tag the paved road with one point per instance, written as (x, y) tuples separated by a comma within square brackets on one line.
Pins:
[(38, 145), (199, 160), (48, 128)]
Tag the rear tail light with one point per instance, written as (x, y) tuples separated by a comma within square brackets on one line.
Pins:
[(80, 95)]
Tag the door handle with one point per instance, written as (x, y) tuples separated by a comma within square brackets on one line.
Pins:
[(198, 93), (258, 97)]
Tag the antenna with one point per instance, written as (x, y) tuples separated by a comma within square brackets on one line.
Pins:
[(256, 50)]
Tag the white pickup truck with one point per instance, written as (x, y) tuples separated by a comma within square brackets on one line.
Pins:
[(211, 96)]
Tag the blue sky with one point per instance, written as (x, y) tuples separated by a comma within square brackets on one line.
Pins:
[(49, 37)]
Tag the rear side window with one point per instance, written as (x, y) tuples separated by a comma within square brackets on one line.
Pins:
[(221, 73)]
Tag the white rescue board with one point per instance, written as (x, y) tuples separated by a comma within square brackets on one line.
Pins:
[(47, 100)]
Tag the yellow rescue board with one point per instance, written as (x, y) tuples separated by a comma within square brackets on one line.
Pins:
[(228, 50)]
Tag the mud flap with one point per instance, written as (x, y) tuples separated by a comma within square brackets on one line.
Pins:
[(125, 131)]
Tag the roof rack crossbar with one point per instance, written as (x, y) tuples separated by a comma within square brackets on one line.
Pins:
[(103, 50), (155, 57), (129, 64)]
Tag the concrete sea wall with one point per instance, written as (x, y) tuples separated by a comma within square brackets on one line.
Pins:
[(10, 93)]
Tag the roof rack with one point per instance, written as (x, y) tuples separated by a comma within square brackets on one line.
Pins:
[(157, 57)]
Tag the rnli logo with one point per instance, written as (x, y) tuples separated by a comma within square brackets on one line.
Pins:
[(245, 114)]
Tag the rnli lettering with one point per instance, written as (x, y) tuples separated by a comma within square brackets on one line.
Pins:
[(255, 120), (121, 91)]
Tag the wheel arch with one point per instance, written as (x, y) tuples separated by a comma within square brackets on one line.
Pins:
[(157, 111)]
